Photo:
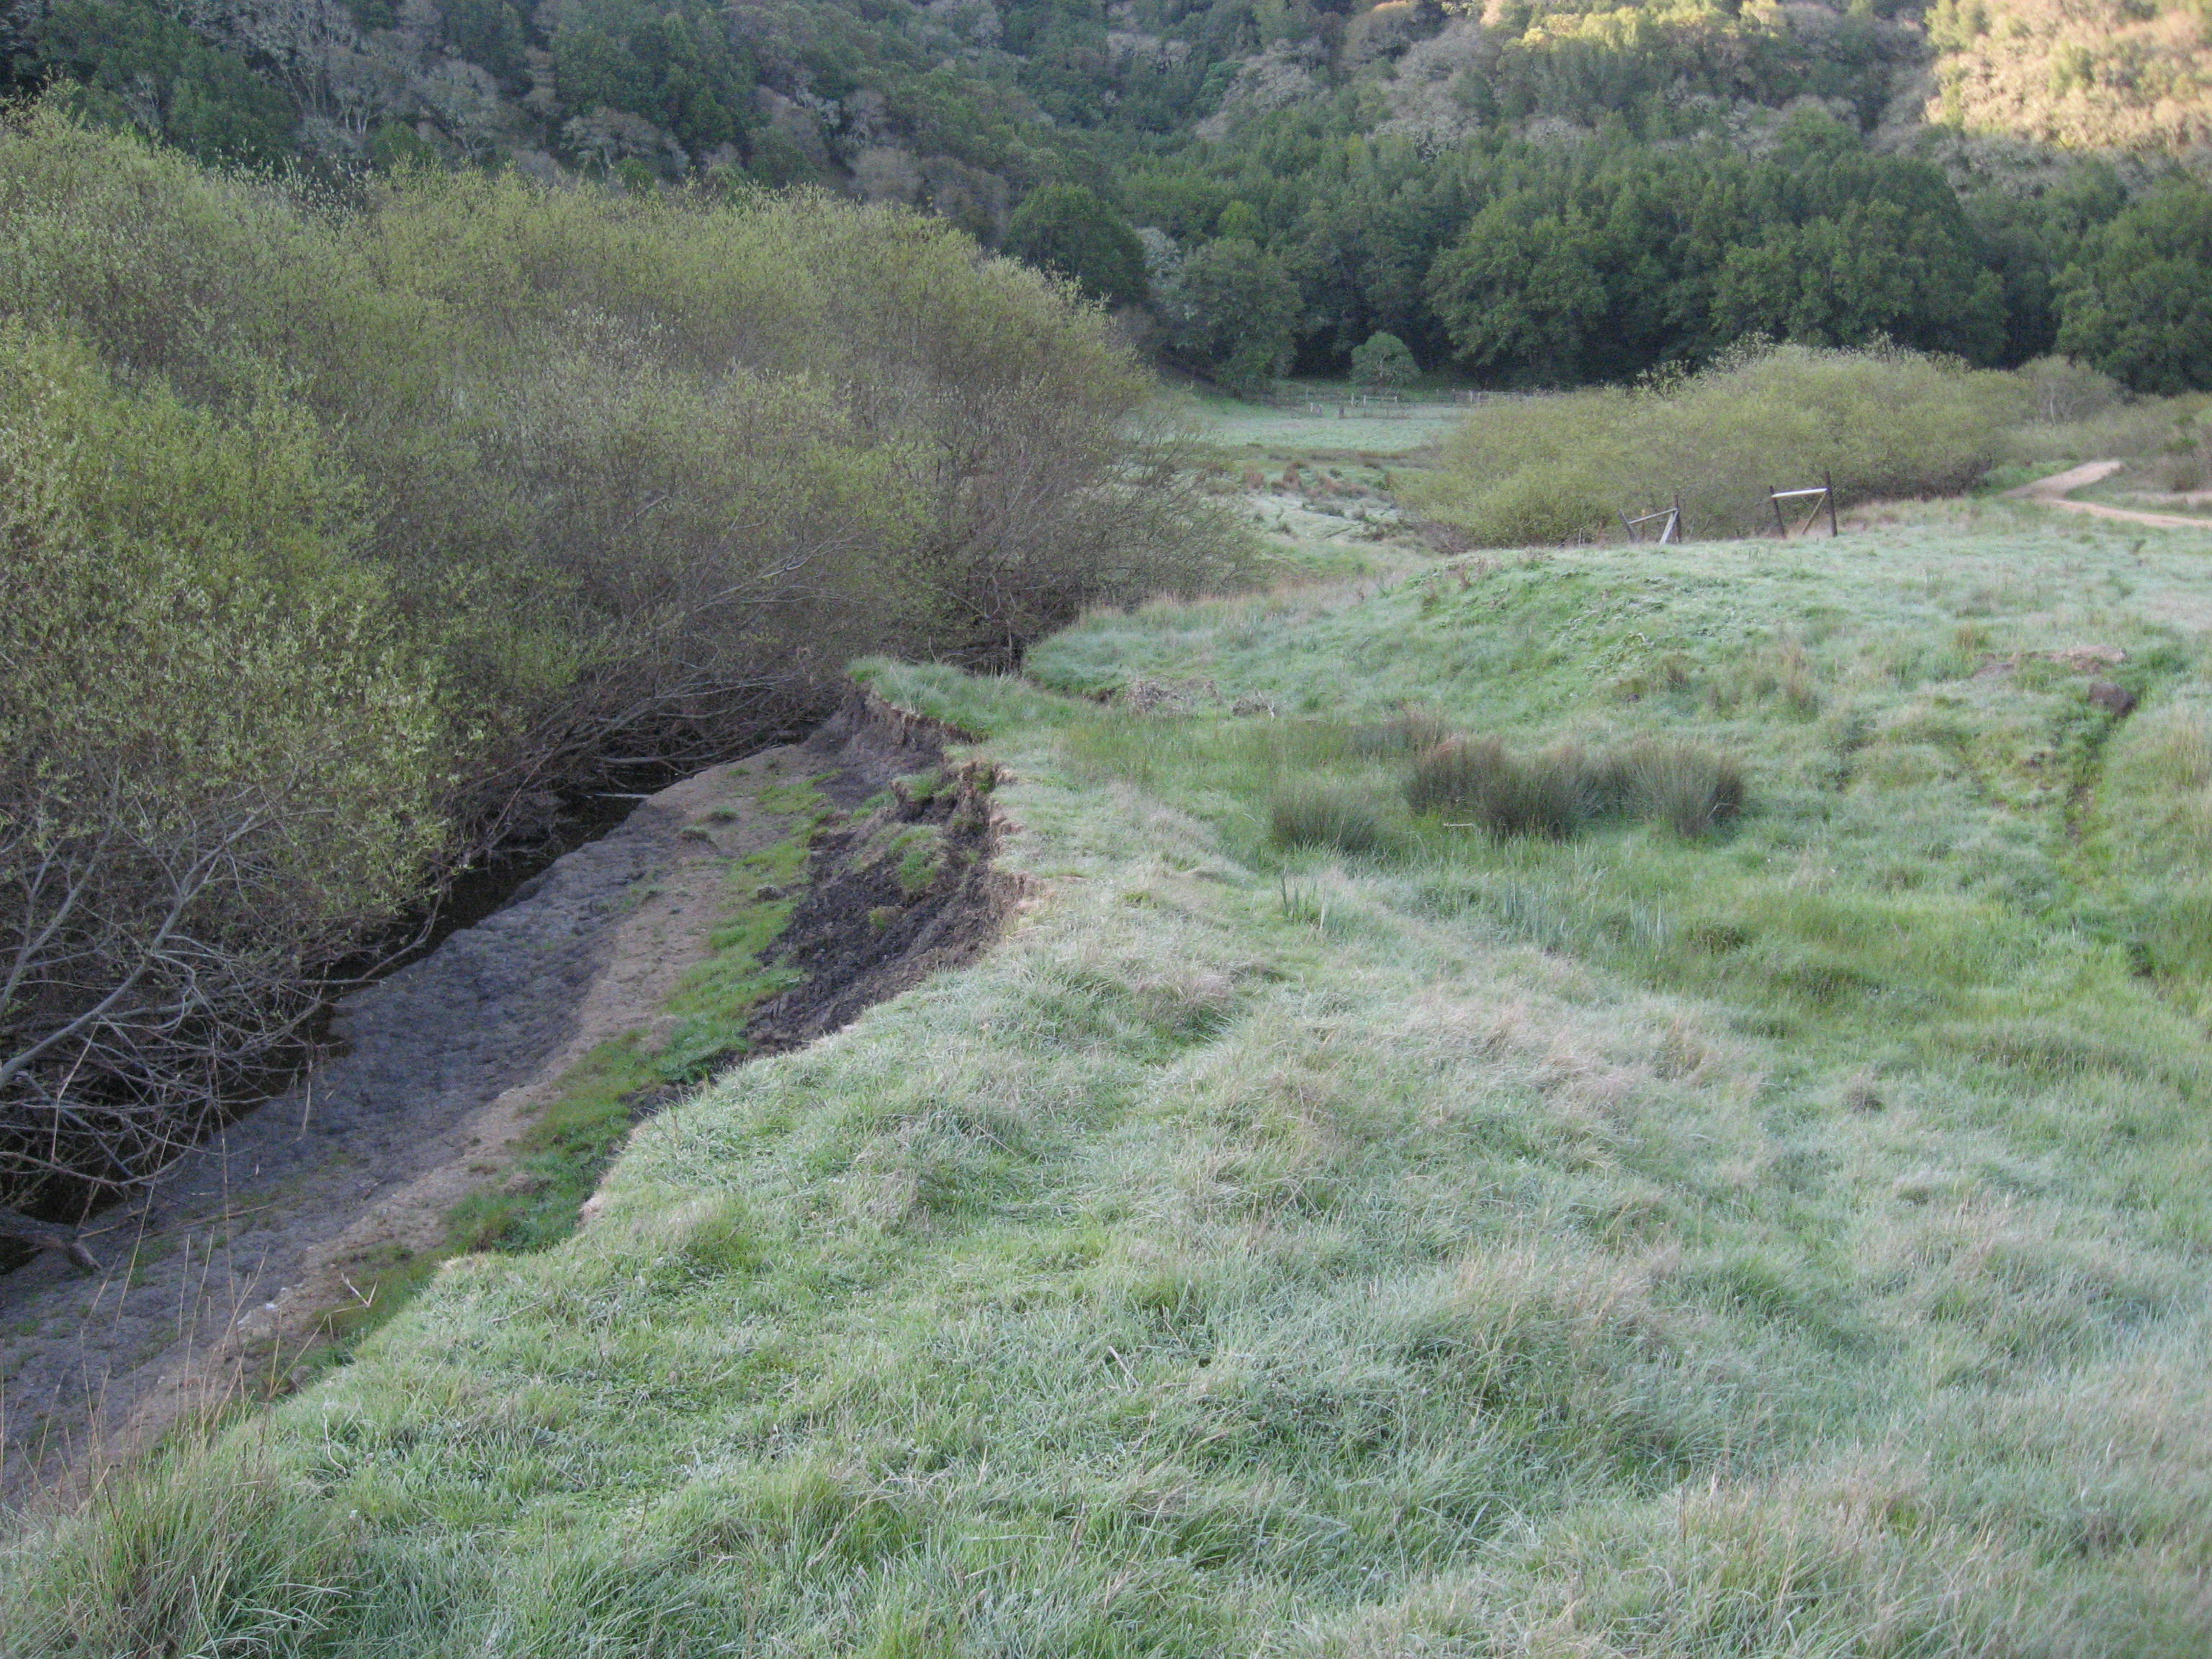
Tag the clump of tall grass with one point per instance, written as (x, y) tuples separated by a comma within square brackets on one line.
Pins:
[(1540, 795), (1325, 816), (1691, 791), (1410, 732), (1555, 793)]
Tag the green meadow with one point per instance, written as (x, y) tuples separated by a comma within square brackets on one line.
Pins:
[(1352, 1232)]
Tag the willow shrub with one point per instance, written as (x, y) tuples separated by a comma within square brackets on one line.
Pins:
[(1882, 424), (220, 755), (497, 488)]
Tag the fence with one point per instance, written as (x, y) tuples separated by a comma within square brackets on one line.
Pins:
[(1668, 519), (1823, 496)]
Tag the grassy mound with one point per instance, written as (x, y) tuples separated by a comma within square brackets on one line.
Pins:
[(1781, 1243)]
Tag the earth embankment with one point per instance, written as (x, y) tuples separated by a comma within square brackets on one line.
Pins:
[(233, 1271)]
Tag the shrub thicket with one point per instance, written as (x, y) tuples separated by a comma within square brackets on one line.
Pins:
[(342, 540), (1882, 423)]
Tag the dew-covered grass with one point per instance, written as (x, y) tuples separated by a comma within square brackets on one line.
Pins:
[(1786, 1242)]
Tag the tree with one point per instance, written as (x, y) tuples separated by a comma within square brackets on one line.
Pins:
[(1072, 230), (1237, 315), (1384, 362), (2139, 304), (1240, 218), (135, 68), (673, 67), (1874, 271), (1520, 293)]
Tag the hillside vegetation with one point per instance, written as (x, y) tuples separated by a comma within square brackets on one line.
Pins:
[(1554, 193), (1350, 1232), (347, 541)]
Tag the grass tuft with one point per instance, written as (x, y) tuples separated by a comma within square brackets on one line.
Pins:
[(1556, 793), (1410, 732), (1325, 816), (1691, 791)]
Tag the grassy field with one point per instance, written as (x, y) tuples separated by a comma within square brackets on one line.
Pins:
[(1308, 422), (1786, 1242)]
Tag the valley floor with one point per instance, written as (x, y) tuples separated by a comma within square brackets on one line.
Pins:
[(1787, 1242)]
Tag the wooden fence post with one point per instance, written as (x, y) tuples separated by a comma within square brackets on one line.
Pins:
[(1829, 482), (1781, 524)]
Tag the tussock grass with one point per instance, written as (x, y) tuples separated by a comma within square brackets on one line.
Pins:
[(1690, 790), (1559, 791), (1541, 795), (1409, 732), (1312, 815)]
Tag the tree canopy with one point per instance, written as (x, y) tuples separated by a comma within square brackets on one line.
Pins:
[(2139, 304), (1074, 230)]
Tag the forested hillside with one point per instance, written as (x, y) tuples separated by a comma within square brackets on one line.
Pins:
[(1520, 193)]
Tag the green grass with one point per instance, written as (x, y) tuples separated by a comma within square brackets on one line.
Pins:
[(562, 1156), (1786, 1244), (716, 998), (1239, 428)]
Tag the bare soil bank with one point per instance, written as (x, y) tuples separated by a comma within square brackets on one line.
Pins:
[(214, 1290)]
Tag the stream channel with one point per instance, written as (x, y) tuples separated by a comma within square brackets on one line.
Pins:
[(214, 1287)]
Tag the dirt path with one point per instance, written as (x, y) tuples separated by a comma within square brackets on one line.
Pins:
[(2054, 491), (214, 1288)]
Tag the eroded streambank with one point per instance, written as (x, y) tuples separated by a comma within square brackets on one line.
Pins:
[(749, 909)]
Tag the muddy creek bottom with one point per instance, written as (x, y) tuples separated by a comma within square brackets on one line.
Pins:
[(213, 1288)]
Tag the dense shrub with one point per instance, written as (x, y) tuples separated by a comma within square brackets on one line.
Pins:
[(220, 753), (2185, 463), (343, 540), (1882, 423)]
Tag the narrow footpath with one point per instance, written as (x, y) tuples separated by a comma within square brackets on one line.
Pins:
[(2056, 491)]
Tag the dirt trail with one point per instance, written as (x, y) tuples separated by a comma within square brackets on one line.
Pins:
[(2054, 491), (213, 1288)]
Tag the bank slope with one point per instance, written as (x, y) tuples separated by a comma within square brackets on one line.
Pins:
[(1787, 1241)]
